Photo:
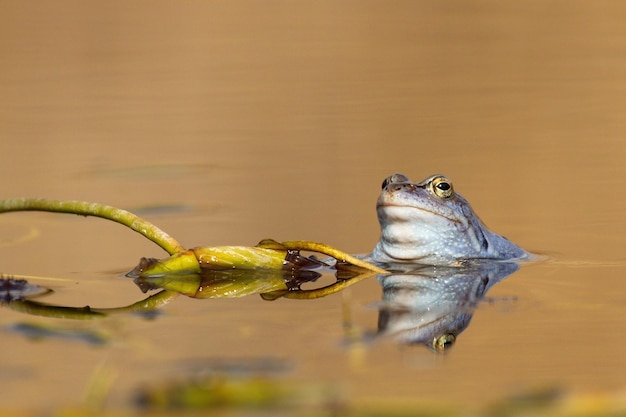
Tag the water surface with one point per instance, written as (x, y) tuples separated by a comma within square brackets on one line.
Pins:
[(243, 121)]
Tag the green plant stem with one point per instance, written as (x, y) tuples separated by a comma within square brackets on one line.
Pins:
[(83, 208), (330, 251)]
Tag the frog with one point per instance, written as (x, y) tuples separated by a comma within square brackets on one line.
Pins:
[(428, 222)]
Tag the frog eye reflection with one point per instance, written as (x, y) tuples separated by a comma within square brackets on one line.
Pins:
[(443, 342), (442, 187)]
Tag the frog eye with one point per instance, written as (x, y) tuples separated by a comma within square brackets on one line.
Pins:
[(443, 342), (394, 179), (442, 187)]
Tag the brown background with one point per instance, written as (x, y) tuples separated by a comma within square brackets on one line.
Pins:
[(280, 119)]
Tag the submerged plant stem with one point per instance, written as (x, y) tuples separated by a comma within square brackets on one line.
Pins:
[(83, 208)]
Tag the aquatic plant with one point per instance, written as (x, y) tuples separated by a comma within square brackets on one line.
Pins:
[(84, 208), (268, 254)]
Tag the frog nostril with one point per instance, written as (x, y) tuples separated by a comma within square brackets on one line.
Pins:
[(392, 188), (395, 178)]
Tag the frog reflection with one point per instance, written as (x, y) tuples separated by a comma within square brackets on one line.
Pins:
[(433, 305)]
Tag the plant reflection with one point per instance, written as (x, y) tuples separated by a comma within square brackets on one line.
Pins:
[(229, 283), (12, 289), (12, 297), (426, 305)]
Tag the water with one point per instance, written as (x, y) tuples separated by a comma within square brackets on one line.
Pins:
[(245, 121)]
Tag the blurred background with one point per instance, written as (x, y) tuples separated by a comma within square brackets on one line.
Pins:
[(226, 122), (261, 111)]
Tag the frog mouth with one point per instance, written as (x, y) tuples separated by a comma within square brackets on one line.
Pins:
[(406, 206)]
